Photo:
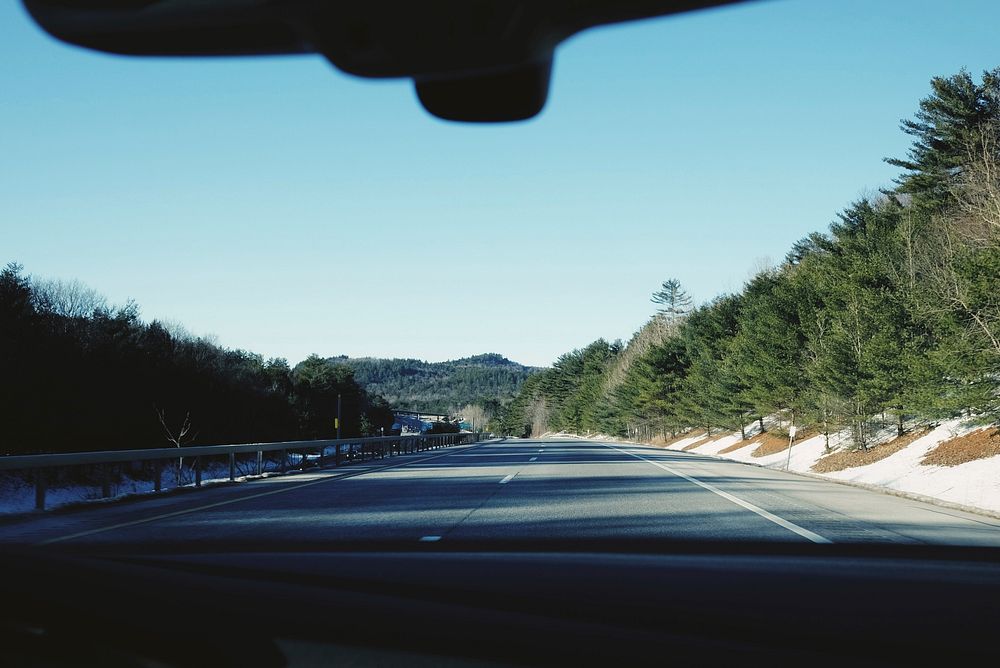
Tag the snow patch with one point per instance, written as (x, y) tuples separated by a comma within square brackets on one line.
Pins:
[(975, 484)]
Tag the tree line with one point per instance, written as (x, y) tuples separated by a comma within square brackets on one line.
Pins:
[(78, 374), (486, 380), (890, 317)]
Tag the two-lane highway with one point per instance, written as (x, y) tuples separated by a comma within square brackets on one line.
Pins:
[(517, 489)]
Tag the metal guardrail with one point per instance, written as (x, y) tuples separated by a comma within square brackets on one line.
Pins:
[(346, 450)]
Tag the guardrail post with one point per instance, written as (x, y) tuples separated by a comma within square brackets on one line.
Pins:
[(302, 465), (260, 462), (106, 481), (40, 484), (158, 476), (232, 466), (284, 460), (197, 471)]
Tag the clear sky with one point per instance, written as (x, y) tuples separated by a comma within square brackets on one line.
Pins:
[(287, 208)]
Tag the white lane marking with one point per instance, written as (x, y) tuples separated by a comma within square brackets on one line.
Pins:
[(771, 517), (508, 479), (542, 450), (533, 459), (430, 539), (176, 513)]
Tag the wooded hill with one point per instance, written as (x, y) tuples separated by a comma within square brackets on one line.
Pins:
[(890, 317), (79, 374), (487, 380)]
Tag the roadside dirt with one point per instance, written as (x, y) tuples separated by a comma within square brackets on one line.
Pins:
[(977, 445), (739, 444), (844, 459), (772, 444), (661, 442)]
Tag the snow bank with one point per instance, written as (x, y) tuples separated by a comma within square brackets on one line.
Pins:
[(975, 484), (17, 494)]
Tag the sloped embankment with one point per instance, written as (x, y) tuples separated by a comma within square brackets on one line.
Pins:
[(953, 461)]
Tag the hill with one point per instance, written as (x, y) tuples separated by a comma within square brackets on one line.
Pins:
[(439, 386)]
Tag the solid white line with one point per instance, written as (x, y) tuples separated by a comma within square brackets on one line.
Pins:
[(771, 517), (533, 459), (508, 479), (430, 539), (176, 513)]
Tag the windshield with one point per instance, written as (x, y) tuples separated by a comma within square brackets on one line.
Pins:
[(738, 282)]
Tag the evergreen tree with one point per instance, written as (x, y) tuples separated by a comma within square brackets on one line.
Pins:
[(673, 300), (949, 122), (769, 349)]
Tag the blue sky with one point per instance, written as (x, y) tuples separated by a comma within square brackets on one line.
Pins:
[(287, 208)]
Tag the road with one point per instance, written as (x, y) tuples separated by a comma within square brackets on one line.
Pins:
[(517, 489)]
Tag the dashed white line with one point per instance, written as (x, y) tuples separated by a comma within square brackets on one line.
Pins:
[(771, 517), (430, 539), (508, 479), (248, 497), (533, 459)]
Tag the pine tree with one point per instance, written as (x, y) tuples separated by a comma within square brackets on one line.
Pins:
[(674, 301), (769, 349), (949, 122)]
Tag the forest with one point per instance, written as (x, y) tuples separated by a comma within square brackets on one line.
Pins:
[(487, 381), (888, 319), (79, 374)]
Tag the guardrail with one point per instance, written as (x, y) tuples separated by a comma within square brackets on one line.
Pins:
[(345, 450)]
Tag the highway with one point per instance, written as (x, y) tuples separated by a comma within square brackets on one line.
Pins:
[(515, 490)]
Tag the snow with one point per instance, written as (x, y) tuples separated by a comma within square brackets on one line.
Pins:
[(975, 484), (684, 442), (714, 446), (17, 492)]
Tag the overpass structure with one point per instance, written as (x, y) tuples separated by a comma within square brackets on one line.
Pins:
[(423, 416)]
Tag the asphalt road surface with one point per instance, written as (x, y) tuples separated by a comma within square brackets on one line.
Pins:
[(517, 489)]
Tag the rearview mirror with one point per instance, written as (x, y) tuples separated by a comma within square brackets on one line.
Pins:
[(485, 60)]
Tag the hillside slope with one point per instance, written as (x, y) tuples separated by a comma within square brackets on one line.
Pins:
[(439, 386), (972, 481)]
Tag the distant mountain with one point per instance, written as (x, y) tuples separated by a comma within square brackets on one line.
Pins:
[(438, 386)]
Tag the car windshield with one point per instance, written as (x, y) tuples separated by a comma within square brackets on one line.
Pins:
[(737, 282)]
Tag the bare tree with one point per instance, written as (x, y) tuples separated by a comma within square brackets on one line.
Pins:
[(657, 330), (476, 415), (976, 188), (179, 437), (538, 413), (176, 330), (760, 265), (71, 299)]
